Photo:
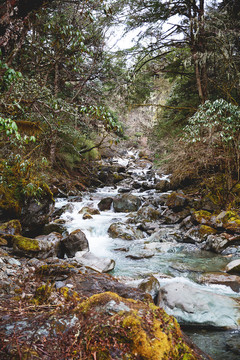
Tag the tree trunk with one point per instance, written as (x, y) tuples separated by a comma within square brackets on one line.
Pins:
[(198, 48)]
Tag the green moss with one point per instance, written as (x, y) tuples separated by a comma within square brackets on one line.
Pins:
[(25, 244), (231, 221), (54, 269), (207, 230), (202, 216), (42, 294)]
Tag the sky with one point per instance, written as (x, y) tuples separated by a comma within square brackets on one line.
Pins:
[(117, 41)]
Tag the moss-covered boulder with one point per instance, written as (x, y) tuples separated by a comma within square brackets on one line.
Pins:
[(205, 230), (41, 247), (102, 327), (230, 221), (119, 328), (148, 213)]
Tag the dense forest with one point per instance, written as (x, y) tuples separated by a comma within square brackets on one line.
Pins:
[(63, 89)]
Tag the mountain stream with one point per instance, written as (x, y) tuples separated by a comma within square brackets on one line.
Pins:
[(208, 315)]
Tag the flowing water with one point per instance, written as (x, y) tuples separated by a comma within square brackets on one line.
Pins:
[(171, 262)]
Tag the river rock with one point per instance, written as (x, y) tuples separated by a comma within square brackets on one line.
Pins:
[(169, 216), (97, 263), (165, 234), (233, 267), (216, 278), (105, 204), (72, 243), (147, 214), (87, 216), (177, 201), (126, 203), (151, 286), (124, 231), (53, 227), (88, 210), (141, 254), (219, 242), (192, 305), (59, 211), (41, 247)]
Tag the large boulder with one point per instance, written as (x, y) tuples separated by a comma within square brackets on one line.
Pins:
[(41, 247), (193, 305), (126, 203), (111, 327), (124, 231), (72, 243)]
